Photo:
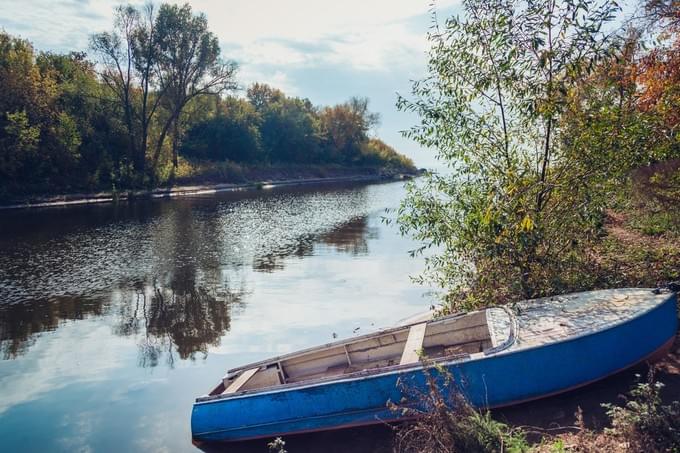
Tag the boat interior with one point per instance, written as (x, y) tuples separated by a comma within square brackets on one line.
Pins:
[(453, 337)]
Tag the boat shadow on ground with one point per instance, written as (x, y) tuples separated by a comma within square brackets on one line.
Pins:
[(552, 415), (374, 438)]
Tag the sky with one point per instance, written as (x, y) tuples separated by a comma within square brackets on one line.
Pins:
[(324, 50)]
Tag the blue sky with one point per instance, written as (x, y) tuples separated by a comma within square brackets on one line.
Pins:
[(324, 50)]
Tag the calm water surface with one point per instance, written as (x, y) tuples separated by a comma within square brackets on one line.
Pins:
[(113, 318)]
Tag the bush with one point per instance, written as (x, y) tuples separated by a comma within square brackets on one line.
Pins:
[(199, 171), (377, 153), (451, 425), (517, 212), (644, 423), (233, 134), (656, 190)]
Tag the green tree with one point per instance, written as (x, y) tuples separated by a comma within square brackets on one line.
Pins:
[(261, 96), (156, 64), (232, 134), (39, 137), (289, 127), (603, 130), (102, 158), (19, 144), (24, 101), (189, 65), (345, 129), (512, 215)]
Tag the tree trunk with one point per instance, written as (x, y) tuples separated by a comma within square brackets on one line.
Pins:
[(159, 146), (175, 141)]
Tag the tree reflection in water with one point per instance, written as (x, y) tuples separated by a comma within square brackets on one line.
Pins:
[(21, 323), (160, 281), (350, 237), (179, 308), (170, 322)]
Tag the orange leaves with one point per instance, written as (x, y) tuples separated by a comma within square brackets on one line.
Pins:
[(660, 82), (659, 76)]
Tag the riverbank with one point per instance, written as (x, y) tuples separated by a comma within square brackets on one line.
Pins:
[(632, 411), (252, 179)]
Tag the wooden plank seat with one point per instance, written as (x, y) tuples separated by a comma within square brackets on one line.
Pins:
[(240, 381), (414, 343)]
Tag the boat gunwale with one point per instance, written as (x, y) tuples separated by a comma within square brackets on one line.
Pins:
[(347, 341), (453, 358), (440, 362)]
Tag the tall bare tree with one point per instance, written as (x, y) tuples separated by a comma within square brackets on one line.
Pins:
[(126, 64)]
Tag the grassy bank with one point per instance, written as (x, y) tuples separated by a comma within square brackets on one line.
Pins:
[(639, 246), (210, 172), (220, 178)]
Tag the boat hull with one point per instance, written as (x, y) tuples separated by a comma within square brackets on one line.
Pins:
[(489, 381)]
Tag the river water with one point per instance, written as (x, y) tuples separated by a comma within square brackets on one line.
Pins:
[(114, 318)]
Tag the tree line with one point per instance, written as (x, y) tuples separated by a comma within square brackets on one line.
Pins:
[(154, 97), (269, 127)]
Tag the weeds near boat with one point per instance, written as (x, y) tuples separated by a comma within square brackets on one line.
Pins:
[(450, 424), (645, 423), (277, 446), (642, 424)]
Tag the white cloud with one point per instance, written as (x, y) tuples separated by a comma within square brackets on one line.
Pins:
[(379, 49), (305, 20), (54, 363), (365, 35), (273, 77), (271, 53)]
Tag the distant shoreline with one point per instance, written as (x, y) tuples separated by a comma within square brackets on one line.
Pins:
[(76, 199)]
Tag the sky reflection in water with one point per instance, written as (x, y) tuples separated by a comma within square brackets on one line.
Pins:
[(113, 318)]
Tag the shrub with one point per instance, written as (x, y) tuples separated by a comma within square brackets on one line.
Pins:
[(515, 215), (656, 190), (451, 425), (644, 423)]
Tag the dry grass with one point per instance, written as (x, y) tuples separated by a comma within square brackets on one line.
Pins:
[(640, 423), (449, 424), (628, 257)]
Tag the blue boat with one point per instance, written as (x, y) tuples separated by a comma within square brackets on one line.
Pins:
[(497, 357)]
